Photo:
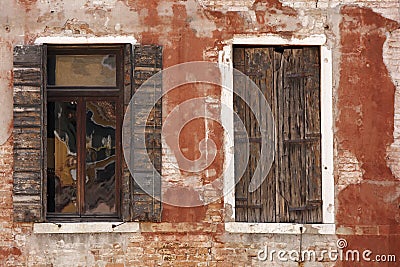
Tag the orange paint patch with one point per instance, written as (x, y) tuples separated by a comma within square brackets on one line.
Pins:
[(365, 128), (195, 213)]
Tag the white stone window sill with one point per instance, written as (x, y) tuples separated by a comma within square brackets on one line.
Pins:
[(280, 228), (85, 227)]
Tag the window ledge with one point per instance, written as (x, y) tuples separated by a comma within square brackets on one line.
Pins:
[(85, 227), (280, 228)]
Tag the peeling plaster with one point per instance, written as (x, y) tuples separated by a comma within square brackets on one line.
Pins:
[(222, 6), (349, 170), (391, 57), (366, 119), (6, 91), (388, 9), (164, 9), (203, 27)]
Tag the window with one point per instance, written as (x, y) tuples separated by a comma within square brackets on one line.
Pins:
[(69, 103), (84, 116), (289, 77)]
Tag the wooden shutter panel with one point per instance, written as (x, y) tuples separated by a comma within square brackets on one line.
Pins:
[(28, 126), (290, 81), (147, 61), (256, 63), (299, 160), (126, 184)]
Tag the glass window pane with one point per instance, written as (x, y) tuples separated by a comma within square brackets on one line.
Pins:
[(82, 70), (100, 158), (61, 157)]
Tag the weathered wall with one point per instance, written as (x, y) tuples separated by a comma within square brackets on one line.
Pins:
[(365, 124), (365, 40)]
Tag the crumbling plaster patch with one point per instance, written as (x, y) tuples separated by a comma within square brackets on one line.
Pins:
[(348, 169), (391, 57), (224, 6), (5, 91)]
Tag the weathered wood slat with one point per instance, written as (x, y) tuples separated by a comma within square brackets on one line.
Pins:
[(27, 183), (26, 212), (27, 116), (27, 76), (27, 139), (27, 159), (27, 56), (26, 94)]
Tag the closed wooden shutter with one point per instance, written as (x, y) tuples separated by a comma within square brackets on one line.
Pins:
[(147, 60), (255, 206), (28, 129), (289, 78)]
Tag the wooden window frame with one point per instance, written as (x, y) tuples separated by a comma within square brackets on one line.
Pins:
[(328, 220), (83, 94)]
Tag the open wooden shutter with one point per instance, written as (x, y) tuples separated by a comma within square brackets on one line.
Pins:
[(289, 78), (147, 61), (28, 126), (126, 183)]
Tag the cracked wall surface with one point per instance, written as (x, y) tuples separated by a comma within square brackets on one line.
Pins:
[(364, 37)]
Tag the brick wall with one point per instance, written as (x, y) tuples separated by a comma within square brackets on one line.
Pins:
[(365, 40)]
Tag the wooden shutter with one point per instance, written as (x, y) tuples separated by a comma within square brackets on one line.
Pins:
[(126, 181), (256, 63), (28, 126), (147, 60), (290, 81), (299, 160)]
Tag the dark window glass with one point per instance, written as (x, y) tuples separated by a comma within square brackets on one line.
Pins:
[(84, 117), (100, 157), (62, 157)]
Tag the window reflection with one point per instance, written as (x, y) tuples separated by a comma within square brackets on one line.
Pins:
[(100, 157), (82, 70), (62, 157)]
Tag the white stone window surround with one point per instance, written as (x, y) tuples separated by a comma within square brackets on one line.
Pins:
[(86, 227), (328, 193)]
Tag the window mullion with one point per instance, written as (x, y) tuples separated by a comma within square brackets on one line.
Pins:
[(81, 147)]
